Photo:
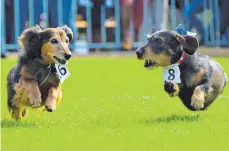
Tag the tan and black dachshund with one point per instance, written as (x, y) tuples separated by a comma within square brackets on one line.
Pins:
[(34, 81), (200, 79)]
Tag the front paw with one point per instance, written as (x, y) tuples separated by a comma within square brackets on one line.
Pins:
[(35, 101), (197, 103), (50, 104), (171, 88)]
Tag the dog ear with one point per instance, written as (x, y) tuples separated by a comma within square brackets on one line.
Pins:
[(29, 36), (189, 43), (68, 32)]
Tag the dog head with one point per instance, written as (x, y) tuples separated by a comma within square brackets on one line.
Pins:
[(51, 44), (164, 48)]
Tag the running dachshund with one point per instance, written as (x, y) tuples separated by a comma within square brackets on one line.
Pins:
[(196, 78), (34, 81)]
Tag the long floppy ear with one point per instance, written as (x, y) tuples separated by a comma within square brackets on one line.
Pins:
[(68, 32), (29, 36), (189, 43)]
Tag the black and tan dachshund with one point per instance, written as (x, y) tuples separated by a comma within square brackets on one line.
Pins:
[(196, 78), (34, 81)]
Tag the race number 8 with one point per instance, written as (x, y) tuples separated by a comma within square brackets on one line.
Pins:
[(62, 70), (171, 74)]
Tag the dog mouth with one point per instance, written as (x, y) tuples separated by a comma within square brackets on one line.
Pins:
[(61, 61), (150, 64)]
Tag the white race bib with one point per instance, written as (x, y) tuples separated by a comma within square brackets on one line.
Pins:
[(62, 72), (172, 73)]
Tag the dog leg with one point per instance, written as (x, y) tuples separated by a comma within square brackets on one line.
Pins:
[(24, 112), (31, 88), (53, 97), (15, 113), (60, 94), (198, 97), (171, 88), (18, 113)]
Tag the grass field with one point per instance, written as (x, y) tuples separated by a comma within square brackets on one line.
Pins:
[(115, 104)]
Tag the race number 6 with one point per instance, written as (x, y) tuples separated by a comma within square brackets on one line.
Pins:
[(62, 70)]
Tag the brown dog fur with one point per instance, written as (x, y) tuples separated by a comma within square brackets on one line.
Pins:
[(34, 82)]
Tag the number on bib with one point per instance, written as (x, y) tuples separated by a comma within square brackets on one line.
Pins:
[(172, 73), (62, 72)]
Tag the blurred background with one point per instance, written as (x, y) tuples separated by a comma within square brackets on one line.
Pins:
[(115, 25)]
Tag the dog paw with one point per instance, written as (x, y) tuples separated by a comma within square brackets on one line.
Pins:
[(170, 88), (50, 108), (35, 102), (197, 103), (50, 104)]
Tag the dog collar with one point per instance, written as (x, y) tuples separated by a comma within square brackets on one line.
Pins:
[(182, 59)]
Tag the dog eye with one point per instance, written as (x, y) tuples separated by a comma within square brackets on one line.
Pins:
[(67, 41), (158, 41), (54, 41)]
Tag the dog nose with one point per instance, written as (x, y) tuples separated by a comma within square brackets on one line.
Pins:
[(50, 109), (67, 56), (140, 52)]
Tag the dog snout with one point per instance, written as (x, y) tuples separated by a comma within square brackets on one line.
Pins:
[(140, 53), (67, 56)]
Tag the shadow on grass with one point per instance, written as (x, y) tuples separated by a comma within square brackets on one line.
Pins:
[(23, 124), (171, 119)]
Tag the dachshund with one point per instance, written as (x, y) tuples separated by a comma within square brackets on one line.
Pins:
[(35, 80), (195, 78)]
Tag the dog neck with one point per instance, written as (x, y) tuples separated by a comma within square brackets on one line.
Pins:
[(176, 58), (41, 63)]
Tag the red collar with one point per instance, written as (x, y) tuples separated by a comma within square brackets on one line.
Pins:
[(182, 59)]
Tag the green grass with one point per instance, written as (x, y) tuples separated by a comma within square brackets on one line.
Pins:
[(116, 104)]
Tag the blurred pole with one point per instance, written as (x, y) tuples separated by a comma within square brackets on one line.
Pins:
[(60, 12), (131, 29), (103, 29), (145, 17), (46, 13), (173, 14), (165, 14), (217, 22), (117, 19), (31, 13), (3, 41), (89, 23), (186, 20), (158, 14), (16, 20), (212, 31), (72, 19), (205, 23)]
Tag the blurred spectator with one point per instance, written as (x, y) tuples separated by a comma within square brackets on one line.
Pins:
[(24, 12), (9, 24), (95, 17), (67, 16), (96, 20), (224, 19), (38, 16), (130, 10)]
